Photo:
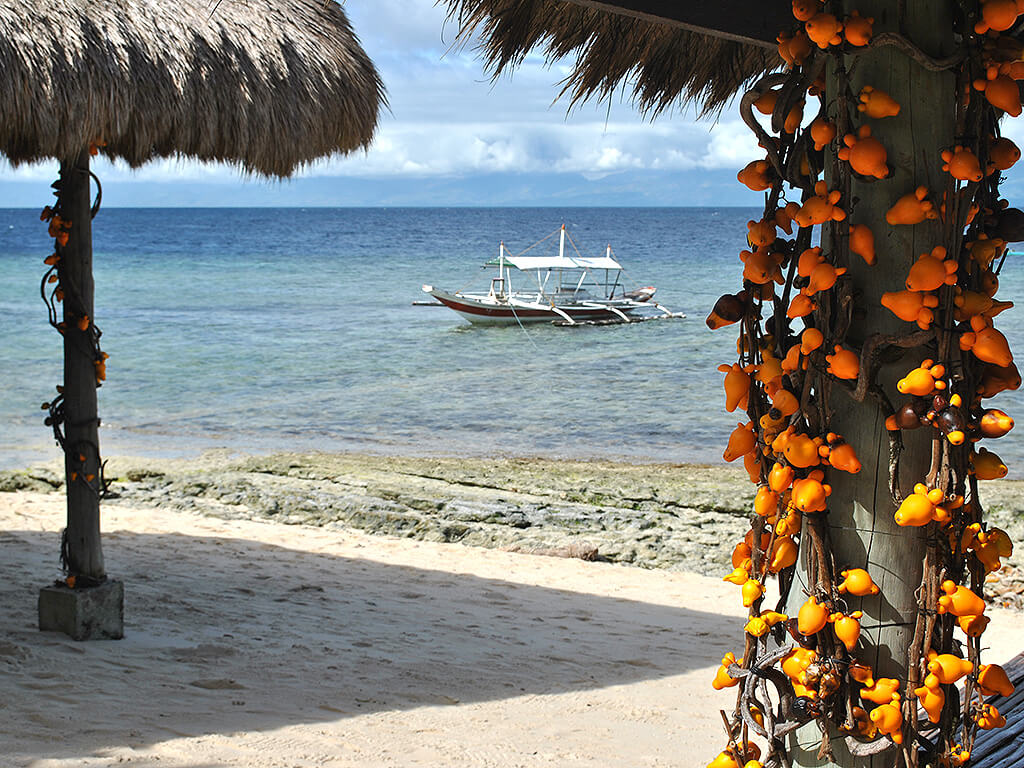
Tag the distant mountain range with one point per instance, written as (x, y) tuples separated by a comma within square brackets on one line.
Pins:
[(620, 189), (624, 188)]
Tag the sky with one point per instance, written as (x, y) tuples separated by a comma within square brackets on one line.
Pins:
[(451, 136)]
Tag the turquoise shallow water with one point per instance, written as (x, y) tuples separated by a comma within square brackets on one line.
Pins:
[(265, 329)]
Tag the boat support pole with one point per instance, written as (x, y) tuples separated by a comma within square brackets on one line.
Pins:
[(563, 314), (625, 319), (513, 303)]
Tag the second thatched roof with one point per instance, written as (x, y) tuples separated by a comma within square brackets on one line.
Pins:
[(662, 64), (265, 84)]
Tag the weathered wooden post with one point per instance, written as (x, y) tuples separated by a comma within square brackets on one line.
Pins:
[(860, 522), (86, 605)]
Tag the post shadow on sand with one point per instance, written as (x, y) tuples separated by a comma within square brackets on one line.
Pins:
[(375, 637)]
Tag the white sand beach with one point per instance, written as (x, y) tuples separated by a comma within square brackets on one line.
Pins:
[(259, 644)]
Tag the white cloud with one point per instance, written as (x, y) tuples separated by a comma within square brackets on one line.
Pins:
[(447, 119), (732, 144), (444, 149), (46, 170)]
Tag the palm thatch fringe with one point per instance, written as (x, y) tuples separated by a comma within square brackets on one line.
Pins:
[(663, 64), (268, 85)]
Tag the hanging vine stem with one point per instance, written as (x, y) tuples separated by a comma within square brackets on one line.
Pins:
[(907, 48), (873, 348), (99, 195), (747, 115)]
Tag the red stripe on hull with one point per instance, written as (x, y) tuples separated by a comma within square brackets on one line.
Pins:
[(502, 313), (473, 309)]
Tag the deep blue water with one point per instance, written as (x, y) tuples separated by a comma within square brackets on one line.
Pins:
[(265, 329)]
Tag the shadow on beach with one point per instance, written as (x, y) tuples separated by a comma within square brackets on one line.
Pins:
[(230, 634)]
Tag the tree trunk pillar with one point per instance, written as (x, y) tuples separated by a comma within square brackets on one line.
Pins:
[(860, 520), (81, 460), (88, 606)]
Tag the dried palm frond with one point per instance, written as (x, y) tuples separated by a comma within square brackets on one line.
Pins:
[(266, 84), (662, 64)]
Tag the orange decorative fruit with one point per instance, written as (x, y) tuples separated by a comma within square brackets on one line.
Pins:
[(857, 582), (847, 628), (962, 164), (923, 380), (821, 207), (913, 208), (804, 10), (862, 242), (932, 270), (737, 386), (877, 104), (1002, 93), (742, 440), (865, 154), (756, 175), (857, 29), (997, 15), (987, 465), (960, 601), (812, 617), (1002, 154), (824, 29), (722, 677), (794, 49), (822, 133), (911, 306), (932, 699), (843, 363)]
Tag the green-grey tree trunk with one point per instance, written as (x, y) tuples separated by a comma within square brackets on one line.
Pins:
[(860, 517)]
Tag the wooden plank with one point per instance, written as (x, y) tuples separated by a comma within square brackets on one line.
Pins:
[(740, 20), (1011, 755), (1004, 747)]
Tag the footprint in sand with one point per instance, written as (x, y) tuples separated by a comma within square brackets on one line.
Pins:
[(204, 652), (10, 652), (218, 684)]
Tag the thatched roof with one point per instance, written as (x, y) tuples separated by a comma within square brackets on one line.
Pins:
[(662, 64), (265, 84)]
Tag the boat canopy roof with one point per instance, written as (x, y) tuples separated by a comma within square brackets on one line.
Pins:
[(560, 262)]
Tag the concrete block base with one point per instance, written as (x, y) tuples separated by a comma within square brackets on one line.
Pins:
[(93, 613)]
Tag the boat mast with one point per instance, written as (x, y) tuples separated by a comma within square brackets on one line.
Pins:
[(501, 265), (561, 254), (608, 255)]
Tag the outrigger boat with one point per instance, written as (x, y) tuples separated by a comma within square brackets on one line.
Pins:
[(564, 289)]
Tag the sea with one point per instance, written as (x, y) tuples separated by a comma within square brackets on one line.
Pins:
[(257, 330)]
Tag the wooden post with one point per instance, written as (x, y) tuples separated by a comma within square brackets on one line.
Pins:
[(91, 606), (84, 549), (860, 511)]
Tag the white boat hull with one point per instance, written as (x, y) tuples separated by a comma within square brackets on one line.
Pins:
[(490, 311)]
